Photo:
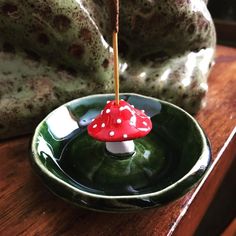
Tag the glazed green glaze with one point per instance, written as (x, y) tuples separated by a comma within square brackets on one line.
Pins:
[(166, 163), (88, 163), (53, 51)]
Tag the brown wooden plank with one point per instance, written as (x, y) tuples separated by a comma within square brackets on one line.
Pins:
[(231, 229), (28, 208), (206, 190)]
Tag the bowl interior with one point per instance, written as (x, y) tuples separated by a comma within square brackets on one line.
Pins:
[(62, 146)]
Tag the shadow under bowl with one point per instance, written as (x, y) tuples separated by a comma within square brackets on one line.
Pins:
[(166, 163)]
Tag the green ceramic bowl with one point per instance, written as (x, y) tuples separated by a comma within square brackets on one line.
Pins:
[(166, 164)]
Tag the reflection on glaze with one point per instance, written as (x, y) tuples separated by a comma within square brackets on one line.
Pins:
[(146, 154), (200, 6), (204, 56), (165, 75), (88, 117), (61, 123), (44, 148), (123, 67), (150, 107)]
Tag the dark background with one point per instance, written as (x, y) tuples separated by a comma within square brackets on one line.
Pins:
[(223, 9), (224, 15)]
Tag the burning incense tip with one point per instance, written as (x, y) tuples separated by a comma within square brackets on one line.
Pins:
[(115, 48), (116, 18)]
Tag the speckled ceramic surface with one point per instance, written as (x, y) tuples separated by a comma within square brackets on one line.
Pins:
[(53, 51), (165, 165)]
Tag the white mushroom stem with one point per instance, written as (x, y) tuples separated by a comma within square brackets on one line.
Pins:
[(123, 147)]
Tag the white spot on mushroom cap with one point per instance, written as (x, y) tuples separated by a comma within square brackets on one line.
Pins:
[(125, 136), (143, 111), (112, 133), (95, 126), (108, 111), (144, 129), (132, 106), (118, 121), (108, 101), (101, 112), (127, 108), (133, 120), (103, 125), (145, 123)]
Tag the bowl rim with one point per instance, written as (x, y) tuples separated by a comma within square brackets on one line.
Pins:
[(201, 162)]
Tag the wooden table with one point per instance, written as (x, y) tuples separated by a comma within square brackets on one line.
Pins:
[(28, 208)]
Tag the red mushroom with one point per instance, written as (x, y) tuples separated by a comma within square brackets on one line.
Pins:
[(118, 125)]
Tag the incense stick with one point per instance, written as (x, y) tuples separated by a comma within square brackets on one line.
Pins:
[(116, 66), (115, 49)]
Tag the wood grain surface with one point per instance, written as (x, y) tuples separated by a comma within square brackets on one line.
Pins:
[(28, 208)]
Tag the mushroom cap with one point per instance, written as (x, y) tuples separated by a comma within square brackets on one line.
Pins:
[(118, 123)]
